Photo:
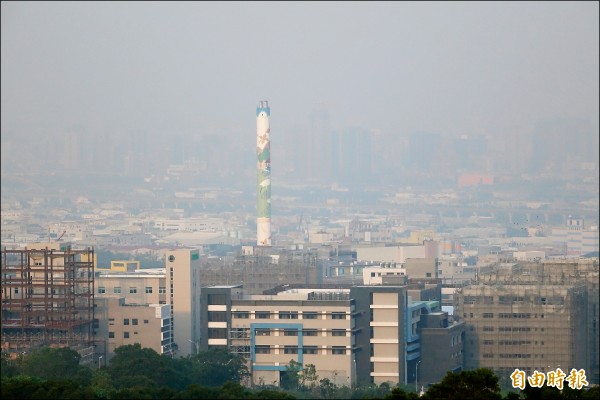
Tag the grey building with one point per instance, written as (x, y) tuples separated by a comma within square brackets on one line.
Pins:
[(442, 346)]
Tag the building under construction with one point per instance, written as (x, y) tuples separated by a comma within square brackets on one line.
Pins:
[(47, 299), (262, 268), (533, 316)]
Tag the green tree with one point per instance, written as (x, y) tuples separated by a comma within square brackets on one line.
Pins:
[(327, 388), (308, 377), (214, 367), (101, 384), (134, 366), (55, 363), (398, 394), (480, 384), (290, 378), (10, 366)]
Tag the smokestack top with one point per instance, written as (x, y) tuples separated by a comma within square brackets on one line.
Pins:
[(263, 105)]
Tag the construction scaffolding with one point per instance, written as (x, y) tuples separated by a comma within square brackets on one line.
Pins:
[(532, 316), (47, 299)]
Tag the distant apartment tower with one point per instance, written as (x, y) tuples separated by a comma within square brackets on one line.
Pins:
[(263, 167), (47, 298)]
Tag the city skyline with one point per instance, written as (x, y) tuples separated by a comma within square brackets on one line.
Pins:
[(128, 88)]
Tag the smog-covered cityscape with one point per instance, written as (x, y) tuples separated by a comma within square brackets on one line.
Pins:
[(221, 199)]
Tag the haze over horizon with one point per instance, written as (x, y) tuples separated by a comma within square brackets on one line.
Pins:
[(151, 73)]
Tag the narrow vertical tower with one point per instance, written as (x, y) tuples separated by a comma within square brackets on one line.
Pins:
[(263, 167)]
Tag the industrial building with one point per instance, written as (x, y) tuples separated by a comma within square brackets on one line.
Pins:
[(533, 316), (48, 298), (353, 335)]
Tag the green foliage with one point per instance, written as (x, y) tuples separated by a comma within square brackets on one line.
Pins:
[(214, 367), (10, 367), (398, 394), (137, 373), (327, 389), (270, 394), (308, 377), (480, 384), (134, 366), (55, 363), (290, 378), (27, 387)]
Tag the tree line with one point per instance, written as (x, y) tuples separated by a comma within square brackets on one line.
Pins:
[(141, 373)]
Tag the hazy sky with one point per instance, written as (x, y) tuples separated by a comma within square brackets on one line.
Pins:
[(200, 68)]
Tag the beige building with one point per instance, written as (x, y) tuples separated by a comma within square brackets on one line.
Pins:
[(145, 286), (309, 326), (356, 335), (564, 273), (391, 254), (177, 285), (419, 268), (123, 299), (183, 282), (122, 324), (526, 326)]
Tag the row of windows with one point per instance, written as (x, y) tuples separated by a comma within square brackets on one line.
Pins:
[(287, 315), (294, 332), (132, 289), (134, 321), (515, 355), (509, 342), (515, 315), (505, 315), (540, 300), (111, 335), (513, 342), (507, 329), (478, 299), (336, 350), (514, 329)]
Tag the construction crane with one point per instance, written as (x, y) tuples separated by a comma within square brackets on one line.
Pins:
[(61, 235)]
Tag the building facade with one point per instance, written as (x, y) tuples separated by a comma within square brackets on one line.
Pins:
[(354, 335), (530, 327), (183, 282), (48, 298)]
